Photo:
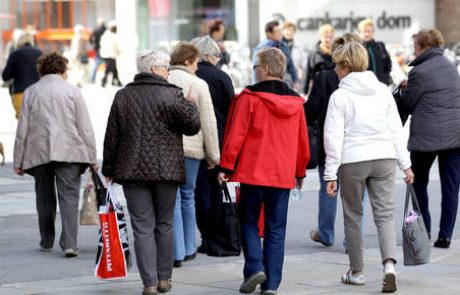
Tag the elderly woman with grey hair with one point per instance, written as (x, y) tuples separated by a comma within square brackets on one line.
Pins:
[(221, 89), (143, 152)]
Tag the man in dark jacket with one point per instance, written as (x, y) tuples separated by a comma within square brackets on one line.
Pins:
[(21, 66), (274, 34), (379, 59), (432, 97), (266, 150), (95, 40), (143, 151)]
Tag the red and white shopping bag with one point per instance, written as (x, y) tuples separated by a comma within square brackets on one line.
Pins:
[(113, 257)]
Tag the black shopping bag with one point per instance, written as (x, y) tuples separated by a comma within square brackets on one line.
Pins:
[(224, 229), (101, 191)]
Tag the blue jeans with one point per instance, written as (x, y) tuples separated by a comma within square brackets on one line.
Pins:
[(326, 211), (97, 63), (271, 258), (184, 213), (449, 171)]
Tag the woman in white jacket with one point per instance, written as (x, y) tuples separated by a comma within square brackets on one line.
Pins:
[(204, 145), (363, 138), (110, 50)]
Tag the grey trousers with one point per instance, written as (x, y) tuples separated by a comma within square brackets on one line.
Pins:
[(63, 179), (378, 176), (151, 209)]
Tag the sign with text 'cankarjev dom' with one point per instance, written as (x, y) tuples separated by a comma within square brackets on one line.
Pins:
[(395, 21)]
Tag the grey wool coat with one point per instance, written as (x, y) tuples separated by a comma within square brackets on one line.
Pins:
[(54, 125)]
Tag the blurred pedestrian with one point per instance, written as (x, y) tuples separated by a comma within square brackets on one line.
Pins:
[(110, 50), (298, 55), (266, 150), (55, 143), (95, 40), (274, 38), (321, 58), (79, 53), (379, 59), (432, 97), (221, 89), (143, 151), (325, 83), (217, 33), (204, 145), (363, 140), (21, 67)]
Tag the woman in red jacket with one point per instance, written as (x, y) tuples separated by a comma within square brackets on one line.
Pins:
[(266, 150)]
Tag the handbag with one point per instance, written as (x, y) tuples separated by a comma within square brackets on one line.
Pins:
[(113, 258), (314, 140), (224, 230), (416, 244), (397, 97), (88, 213)]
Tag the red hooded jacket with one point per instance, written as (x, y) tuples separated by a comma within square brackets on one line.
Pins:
[(266, 139)]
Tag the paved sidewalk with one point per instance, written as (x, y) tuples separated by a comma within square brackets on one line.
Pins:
[(316, 273)]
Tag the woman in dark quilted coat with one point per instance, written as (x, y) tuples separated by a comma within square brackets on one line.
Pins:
[(143, 152)]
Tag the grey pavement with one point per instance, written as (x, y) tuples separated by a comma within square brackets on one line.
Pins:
[(309, 268)]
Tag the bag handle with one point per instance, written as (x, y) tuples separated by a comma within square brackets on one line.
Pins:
[(111, 196), (411, 193), (227, 196)]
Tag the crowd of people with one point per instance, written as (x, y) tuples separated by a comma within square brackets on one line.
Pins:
[(177, 131)]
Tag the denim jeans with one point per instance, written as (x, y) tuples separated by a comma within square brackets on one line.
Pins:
[(271, 258), (184, 212), (97, 63)]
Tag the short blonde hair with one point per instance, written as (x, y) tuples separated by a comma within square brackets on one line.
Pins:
[(327, 28), (289, 24), (274, 59), (351, 55), (364, 23)]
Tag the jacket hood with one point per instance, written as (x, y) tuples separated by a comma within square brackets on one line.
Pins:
[(429, 53), (281, 106), (149, 78), (361, 83)]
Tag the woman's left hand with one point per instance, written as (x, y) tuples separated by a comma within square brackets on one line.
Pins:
[(331, 188), (222, 177), (19, 171), (409, 176)]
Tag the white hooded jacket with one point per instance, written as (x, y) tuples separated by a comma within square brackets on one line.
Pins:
[(362, 124)]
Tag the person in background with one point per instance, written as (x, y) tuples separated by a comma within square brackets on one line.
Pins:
[(79, 53), (204, 145), (110, 50), (363, 140), (432, 97), (266, 150), (217, 32), (143, 152), (95, 40), (325, 83), (321, 58), (274, 38), (221, 89), (298, 55), (21, 66), (379, 59), (55, 143)]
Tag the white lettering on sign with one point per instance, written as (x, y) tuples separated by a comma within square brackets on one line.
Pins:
[(106, 237)]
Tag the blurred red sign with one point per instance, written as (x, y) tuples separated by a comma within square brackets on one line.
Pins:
[(159, 8)]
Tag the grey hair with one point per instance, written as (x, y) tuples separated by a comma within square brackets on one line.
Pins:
[(274, 59), (147, 59), (207, 46)]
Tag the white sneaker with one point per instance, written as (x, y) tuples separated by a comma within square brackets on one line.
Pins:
[(353, 279), (70, 252)]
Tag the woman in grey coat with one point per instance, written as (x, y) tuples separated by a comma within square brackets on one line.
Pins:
[(432, 97), (55, 143)]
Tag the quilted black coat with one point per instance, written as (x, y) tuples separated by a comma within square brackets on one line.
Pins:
[(143, 140)]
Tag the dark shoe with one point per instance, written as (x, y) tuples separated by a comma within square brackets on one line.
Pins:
[(164, 286), (442, 243), (250, 284), (202, 248), (177, 263), (314, 236), (150, 291), (190, 257)]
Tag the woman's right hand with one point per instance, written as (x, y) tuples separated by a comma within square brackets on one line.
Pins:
[(19, 171), (403, 84), (331, 188), (409, 176), (191, 97)]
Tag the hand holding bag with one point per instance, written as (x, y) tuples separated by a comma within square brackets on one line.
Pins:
[(416, 244)]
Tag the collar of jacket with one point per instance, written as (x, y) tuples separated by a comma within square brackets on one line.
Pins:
[(206, 63), (149, 78), (429, 53), (51, 77), (182, 68)]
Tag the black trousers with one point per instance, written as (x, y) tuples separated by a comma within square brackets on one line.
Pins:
[(449, 172), (111, 67)]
